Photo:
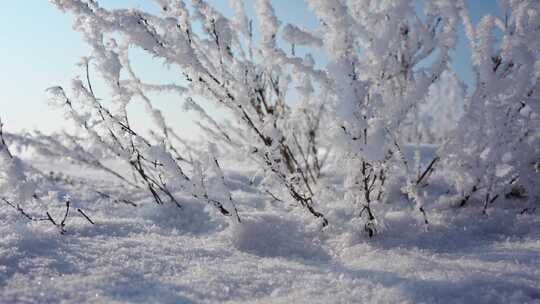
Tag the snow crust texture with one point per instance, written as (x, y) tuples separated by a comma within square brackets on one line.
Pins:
[(161, 254)]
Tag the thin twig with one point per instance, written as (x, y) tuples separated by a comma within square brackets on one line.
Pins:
[(85, 216), (428, 170)]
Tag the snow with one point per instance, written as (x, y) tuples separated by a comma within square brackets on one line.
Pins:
[(368, 176), (164, 254)]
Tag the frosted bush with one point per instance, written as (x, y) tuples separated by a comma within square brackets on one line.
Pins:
[(351, 124), (496, 145)]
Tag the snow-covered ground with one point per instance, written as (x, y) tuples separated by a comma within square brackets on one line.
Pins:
[(151, 253)]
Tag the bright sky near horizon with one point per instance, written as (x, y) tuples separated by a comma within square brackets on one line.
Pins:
[(39, 49)]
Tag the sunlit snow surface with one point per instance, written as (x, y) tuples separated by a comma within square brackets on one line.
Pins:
[(151, 253)]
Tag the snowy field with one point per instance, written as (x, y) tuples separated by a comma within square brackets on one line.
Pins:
[(163, 254), (379, 152)]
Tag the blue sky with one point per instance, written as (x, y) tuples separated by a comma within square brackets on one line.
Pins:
[(39, 49)]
